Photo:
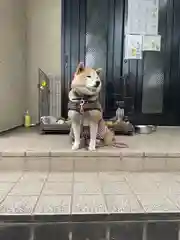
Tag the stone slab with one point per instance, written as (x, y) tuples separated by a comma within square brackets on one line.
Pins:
[(88, 204), (104, 192), (18, 205), (157, 203), (89, 164), (86, 188), (30, 188), (60, 177), (55, 204), (123, 204), (57, 188)]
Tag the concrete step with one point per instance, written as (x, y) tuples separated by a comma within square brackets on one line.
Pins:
[(93, 193), (26, 149), (103, 160), (101, 205)]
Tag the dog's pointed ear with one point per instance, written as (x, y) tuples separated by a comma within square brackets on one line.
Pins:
[(98, 71), (79, 68)]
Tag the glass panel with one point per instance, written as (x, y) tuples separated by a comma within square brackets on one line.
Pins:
[(96, 35), (153, 81), (154, 68)]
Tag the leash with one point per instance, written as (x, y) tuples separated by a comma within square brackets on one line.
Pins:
[(120, 145), (100, 144), (82, 102)]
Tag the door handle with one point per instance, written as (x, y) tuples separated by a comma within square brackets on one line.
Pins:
[(66, 61)]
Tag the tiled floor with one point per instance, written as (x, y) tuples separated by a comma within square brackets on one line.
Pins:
[(79, 193)]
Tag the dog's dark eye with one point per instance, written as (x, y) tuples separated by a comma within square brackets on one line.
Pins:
[(88, 76)]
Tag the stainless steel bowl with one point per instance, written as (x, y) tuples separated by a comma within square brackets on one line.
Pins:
[(145, 129)]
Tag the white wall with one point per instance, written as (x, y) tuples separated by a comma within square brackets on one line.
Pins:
[(43, 45), (12, 63)]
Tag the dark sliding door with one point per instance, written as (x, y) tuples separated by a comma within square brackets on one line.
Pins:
[(93, 34), (155, 80)]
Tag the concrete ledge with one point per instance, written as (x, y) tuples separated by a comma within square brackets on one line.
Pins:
[(103, 152), (105, 160), (13, 154)]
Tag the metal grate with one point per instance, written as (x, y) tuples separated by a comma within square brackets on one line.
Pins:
[(55, 96), (49, 95)]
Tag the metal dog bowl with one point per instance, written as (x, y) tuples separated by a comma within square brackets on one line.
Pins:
[(145, 129)]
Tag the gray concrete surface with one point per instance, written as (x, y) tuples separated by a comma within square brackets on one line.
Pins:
[(93, 192), (26, 149), (163, 142)]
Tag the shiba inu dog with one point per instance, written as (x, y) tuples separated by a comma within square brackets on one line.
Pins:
[(84, 104)]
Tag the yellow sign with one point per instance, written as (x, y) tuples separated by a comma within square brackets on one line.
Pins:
[(133, 52), (43, 84)]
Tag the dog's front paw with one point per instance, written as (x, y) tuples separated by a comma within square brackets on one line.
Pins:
[(75, 146), (92, 146)]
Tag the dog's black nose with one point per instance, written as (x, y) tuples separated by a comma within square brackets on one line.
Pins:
[(97, 84)]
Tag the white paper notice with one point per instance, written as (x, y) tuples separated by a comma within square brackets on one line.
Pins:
[(152, 43), (143, 17), (133, 47)]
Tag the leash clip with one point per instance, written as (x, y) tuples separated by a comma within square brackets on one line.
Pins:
[(82, 102)]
